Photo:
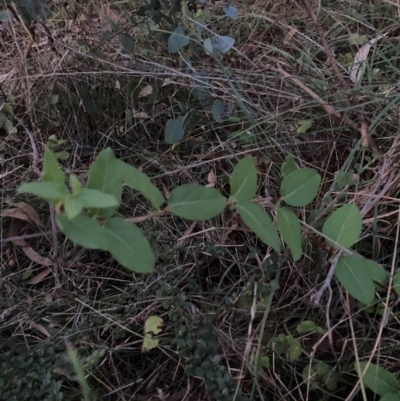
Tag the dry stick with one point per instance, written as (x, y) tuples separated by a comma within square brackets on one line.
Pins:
[(35, 161), (327, 49), (35, 153), (366, 139), (140, 219)]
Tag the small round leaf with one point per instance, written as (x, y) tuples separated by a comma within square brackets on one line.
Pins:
[(177, 40), (174, 130), (343, 226), (354, 276), (300, 187)]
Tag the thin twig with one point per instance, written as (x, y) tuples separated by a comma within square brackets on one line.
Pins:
[(141, 219), (327, 49), (55, 247), (22, 237), (367, 140), (35, 153), (35, 162)]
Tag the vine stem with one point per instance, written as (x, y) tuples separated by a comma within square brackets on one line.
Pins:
[(151, 215)]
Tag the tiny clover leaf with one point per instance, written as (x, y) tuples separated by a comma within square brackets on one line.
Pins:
[(305, 125), (289, 227), (51, 191), (243, 180), (320, 375), (128, 246), (256, 218), (377, 379), (294, 350), (353, 275), (300, 187), (343, 226), (308, 326), (174, 130), (177, 40), (196, 202), (152, 326)]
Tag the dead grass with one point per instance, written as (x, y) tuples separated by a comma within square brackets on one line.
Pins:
[(216, 269)]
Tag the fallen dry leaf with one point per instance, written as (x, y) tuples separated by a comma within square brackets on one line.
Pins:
[(357, 70), (211, 179), (187, 232), (38, 278), (29, 252), (40, 329), (35, 257), (289, 36), (23, 211)]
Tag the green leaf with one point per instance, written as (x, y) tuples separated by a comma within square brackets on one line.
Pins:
[(390, 397), (177, 40), (300, 187), (97, 199), (260, 223), (343, 226), (308, 326), (244, 180), (83, 230), (288, 166), (230, 11), (5, 16), (174, 130), (396, 283), (128, 245), (353, 274), (305, 125), (52, 171), (139, 181), (377, 379), (127, 42), (195, 202), (290, 229), (217, 109), (75, 184), (219, 44), (52, 191), (103, 176), (376, 271), (87, 198), (73, 206), (294, 351), (153, 325), (264, 361)]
